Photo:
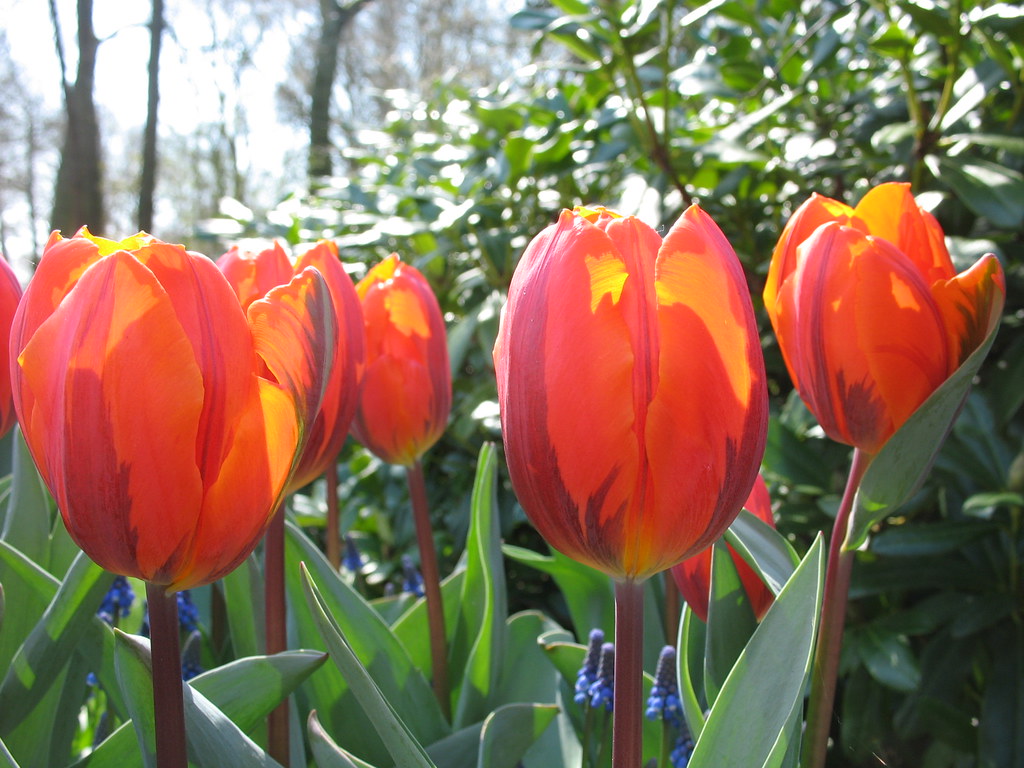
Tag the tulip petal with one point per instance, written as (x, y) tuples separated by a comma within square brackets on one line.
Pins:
[(838, 313), (328, 432), (252, 275), (293, 328), (708, 420), (238, 506), (99, 445), (890, 211), (971, 304)]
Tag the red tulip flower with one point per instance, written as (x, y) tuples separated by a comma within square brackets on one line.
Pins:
[(10, 296), (870, 314), (407, 388), (632, 389), (693, 575), (165, 421), (253, 275)]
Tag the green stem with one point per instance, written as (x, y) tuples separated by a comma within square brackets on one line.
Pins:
[(833, 618), (168, 699), (627, 735), (333, 532), (431, 584), (276, 628)]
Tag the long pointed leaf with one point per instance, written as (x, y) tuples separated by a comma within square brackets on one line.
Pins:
[(44, 654), (397, 738), (775, 663)]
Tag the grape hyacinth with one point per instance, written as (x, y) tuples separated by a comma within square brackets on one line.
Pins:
[(664, 704), (587, 675), (352, 561), (117, 602), (188, 613), (602, 691), (190, 666), (411, 581)]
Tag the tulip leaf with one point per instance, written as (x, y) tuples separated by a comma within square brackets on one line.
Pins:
[(27, 518), (44, 654), (396, 736), (511, 730), (901, 465), (690, 669), (327, 754), (587, 592), (776, 662), (374, 644), (242, 592), (245, 690), (213, 739), (731, 621), (413, 625), (478, 640), (765, 550), (31, 588), (6, 758)]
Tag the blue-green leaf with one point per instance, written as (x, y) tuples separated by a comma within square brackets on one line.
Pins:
[(777, 660)]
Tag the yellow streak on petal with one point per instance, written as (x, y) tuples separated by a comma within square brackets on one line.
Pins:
[(607, 277), (406, 314)]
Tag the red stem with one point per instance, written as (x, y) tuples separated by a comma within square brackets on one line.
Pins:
[(431, 584), (276, 628), (168, 699), (333, 532), (627, 733), (833, 619)]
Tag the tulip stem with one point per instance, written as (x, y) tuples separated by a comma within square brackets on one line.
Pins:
[(833, 618), (276, 628), (333, 533), (431, 584), (168, 699), (627, 734)]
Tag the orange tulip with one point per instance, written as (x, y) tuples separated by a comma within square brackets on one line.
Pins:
[(253, 275), (407, 389), (693, 575), (10, 295), (164, 420), (870, 314), (632, 389)]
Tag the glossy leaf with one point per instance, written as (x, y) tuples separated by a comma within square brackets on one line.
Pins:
[(764, 549), (511, 730), (396, 736), (731, 621), (478, 641), (374, 644), (777, 659), (41, 658), (327, 754)]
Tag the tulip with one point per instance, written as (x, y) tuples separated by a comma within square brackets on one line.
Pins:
[(10, 295), (633, 406), (871, 318), (870, 314), (632, 389), (164, 420), (693, 575), (253, 275), (407, 389), (404, 407)]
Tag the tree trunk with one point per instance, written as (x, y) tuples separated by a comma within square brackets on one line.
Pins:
[(78, 197), (147, 185), (334, 18)]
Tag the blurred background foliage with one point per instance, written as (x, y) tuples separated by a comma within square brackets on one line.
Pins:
[(745, 107)]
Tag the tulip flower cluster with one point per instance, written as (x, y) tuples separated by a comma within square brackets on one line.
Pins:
[(164, 419)]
